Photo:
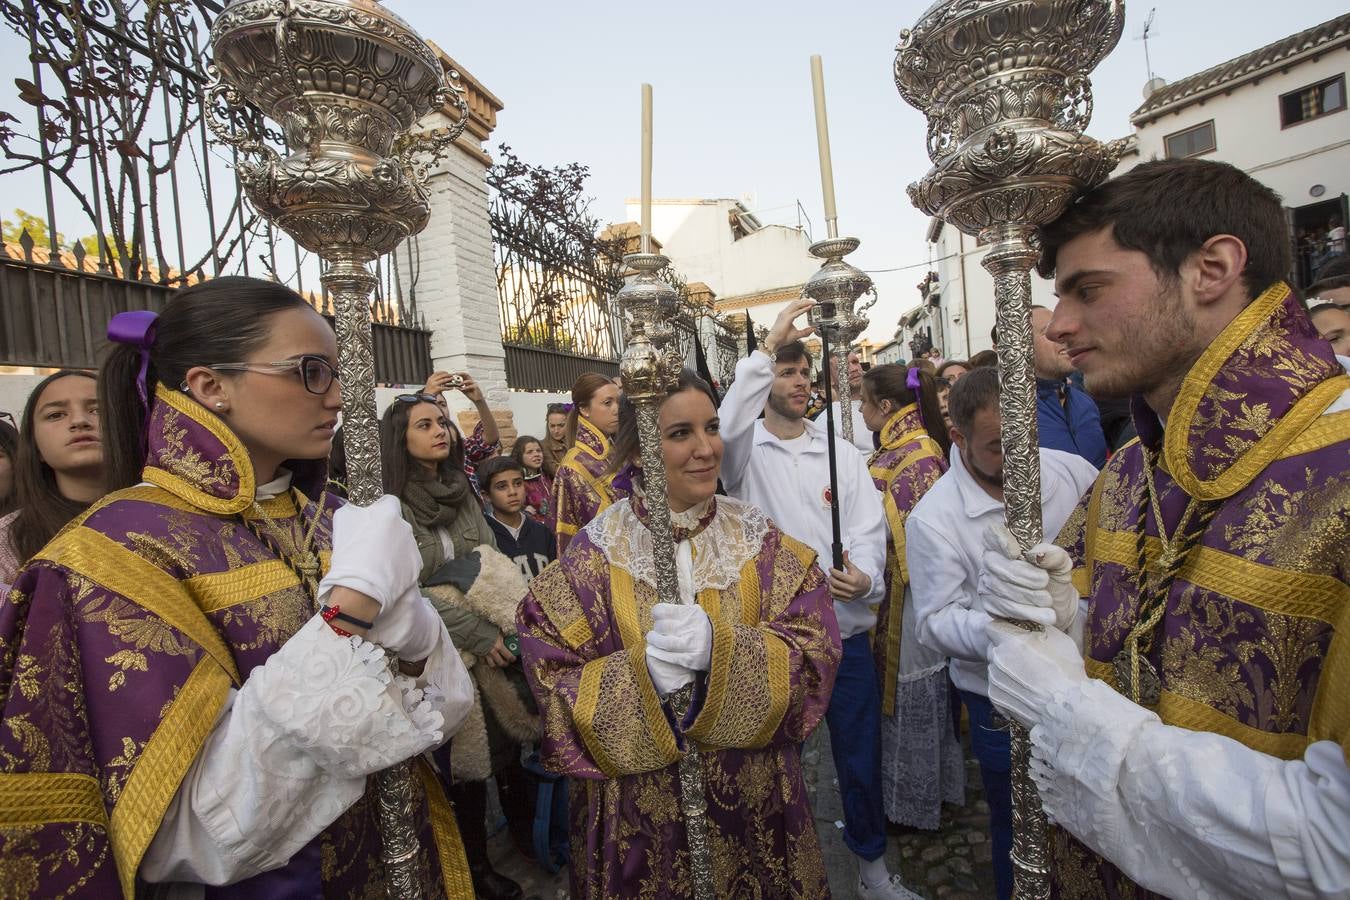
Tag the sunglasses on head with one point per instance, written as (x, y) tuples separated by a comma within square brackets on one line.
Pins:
[(417, 398), (8, 417)]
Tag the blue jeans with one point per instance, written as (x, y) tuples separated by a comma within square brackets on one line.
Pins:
[(990, 746), (854, 718)]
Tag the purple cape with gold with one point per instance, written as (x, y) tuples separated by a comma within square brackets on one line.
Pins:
[(775, 650), (1253, 640), (908, 463), (119, 645), (583, 487)]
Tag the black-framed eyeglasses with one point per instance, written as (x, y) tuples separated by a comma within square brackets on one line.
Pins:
[(418, 398), (317, 373)]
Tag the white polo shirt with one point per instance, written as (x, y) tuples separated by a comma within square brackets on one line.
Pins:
[(789, 480), (944, 541), (862, 435)]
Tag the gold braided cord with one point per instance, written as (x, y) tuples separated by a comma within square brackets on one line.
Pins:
[(38, 798), (445, 831)]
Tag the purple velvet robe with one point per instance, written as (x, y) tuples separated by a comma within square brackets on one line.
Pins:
[(118, 647), (1253, 642), (583, 488), (774, 655), (908, 463)]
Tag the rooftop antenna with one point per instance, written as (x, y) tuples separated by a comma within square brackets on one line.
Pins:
[(1144, 36)]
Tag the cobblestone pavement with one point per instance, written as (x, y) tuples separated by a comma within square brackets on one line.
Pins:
[(952, 863)]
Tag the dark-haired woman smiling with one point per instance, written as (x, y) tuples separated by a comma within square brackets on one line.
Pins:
[(197, 663)]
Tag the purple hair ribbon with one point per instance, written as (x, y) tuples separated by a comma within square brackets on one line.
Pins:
[(136, 328), (623, 479), (914, 383)]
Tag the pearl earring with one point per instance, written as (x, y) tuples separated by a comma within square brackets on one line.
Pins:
[(219, 405)]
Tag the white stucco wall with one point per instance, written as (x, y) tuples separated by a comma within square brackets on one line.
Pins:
[(1247, 133)]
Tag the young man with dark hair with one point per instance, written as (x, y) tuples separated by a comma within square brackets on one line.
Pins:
[(780, 464), (1333, 283), (524, 541), (944, 537), (1333, 323), (1201, 750)]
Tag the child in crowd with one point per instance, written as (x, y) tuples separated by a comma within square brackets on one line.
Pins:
[(528, 543), (529, 453)]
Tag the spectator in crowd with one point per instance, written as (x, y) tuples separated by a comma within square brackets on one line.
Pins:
[(984, 359), (944, 537), (1332, 284), (424, 468), (1333, 323), (952, 370), (485, 441), (924, 363), (528, 453), (520, 537), (9, 446), (555, 438), (1066, 417), (862, 435), (58, 466)]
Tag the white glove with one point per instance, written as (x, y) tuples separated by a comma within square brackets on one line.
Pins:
[(1029, 669), (374, 552), (1035, 587), (681, 634), (667, 677), (409, 627)]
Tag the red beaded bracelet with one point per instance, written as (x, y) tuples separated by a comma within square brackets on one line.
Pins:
[(329, 613)]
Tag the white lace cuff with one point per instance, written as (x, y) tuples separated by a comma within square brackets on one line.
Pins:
[(336, 701), (1077, 751)]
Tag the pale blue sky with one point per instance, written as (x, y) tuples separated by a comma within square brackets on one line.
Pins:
[(733, 99)]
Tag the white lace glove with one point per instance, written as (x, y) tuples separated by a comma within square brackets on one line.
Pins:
[(335, 701), (409, 627), (374, 552), (1035, 587), (1029, 669), (679, 645)]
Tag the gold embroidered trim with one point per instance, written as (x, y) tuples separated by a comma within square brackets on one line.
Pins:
[(221, 590), (1263, 587), (1330, 719), (160, 768), (1174, 709), (577, 633), (1270, 445), (1327, 430), (595, 434), (566, 528), (445, 831), (623, 601), (1082, 581), (583, 713), (780, 687), (247, 489), (39, 798), (750, 591), (719, 679), (106, 562)]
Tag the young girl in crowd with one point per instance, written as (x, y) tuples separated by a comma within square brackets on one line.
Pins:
[(753, 624), (581, 489), (529, 455), (921, 759), (198, 662), (475, 589), (58, 466)]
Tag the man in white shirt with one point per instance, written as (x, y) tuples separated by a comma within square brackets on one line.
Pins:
[(780, 464), (862, 435), (944, 538)]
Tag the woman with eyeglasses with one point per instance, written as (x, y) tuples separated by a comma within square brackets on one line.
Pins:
[(197, 664), (921, 761), (475, 589), (57, 466), (583, 488)]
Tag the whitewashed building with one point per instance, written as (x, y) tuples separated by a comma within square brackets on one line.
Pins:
[(1279, 114)]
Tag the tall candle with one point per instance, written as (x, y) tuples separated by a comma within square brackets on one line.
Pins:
[(823, 147), (646, 168)]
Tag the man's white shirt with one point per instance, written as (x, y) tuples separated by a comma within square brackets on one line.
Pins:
[(944, 538), (793, 487)]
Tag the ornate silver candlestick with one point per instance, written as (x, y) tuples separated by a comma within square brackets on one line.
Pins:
[(347, 80), (1004, 86), (836, 287), (650, 371)]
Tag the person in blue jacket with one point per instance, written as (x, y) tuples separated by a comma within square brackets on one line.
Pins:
[(1066, 417)]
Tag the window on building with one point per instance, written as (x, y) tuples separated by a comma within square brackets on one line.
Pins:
[(1313, 101), (1193, 141)]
